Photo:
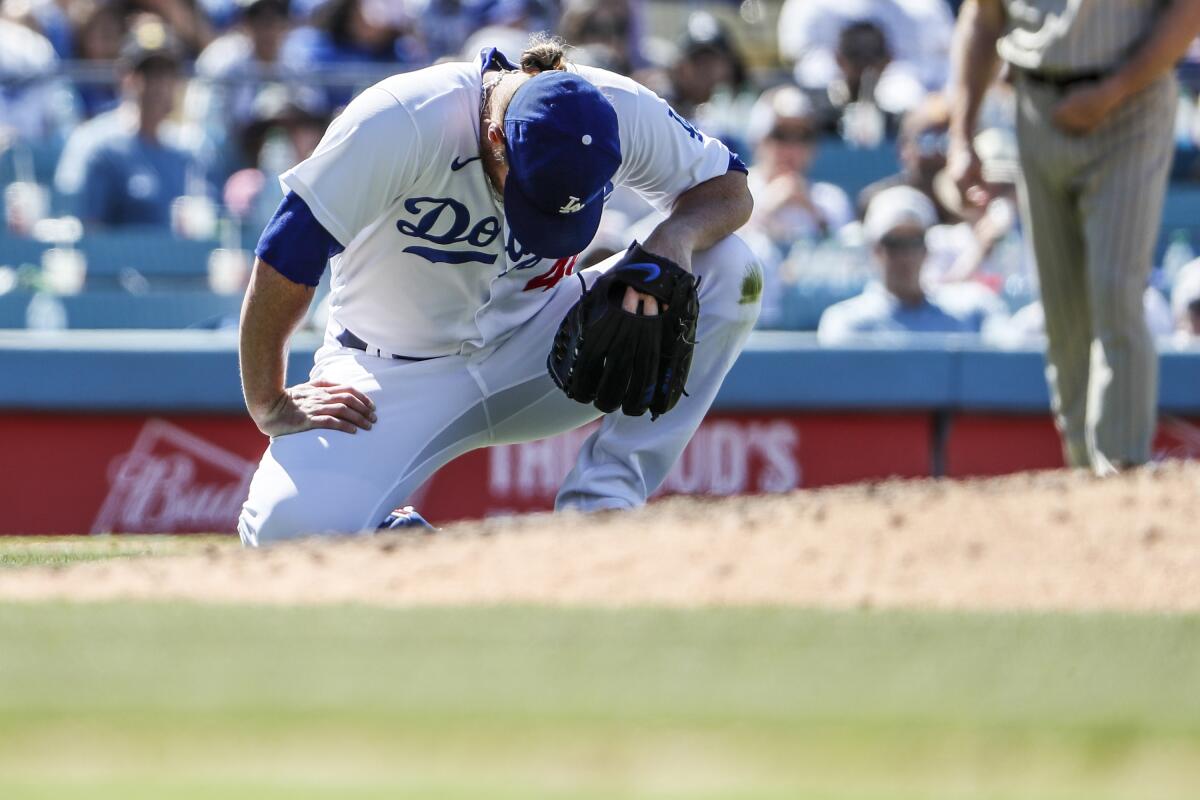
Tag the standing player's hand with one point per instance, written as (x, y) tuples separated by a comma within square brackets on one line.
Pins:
[(964, 166), (1085, 108), (317, 404)]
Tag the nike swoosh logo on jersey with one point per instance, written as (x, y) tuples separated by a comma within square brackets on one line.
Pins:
[(456, 165), (652, 271)]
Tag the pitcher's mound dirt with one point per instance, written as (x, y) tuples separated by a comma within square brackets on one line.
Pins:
[(1052, 540)]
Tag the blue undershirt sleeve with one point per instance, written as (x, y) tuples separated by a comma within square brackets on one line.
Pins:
[(295, 244), (736, 164)]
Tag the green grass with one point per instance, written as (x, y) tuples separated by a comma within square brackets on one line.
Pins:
[(155, 701), (42, 551)]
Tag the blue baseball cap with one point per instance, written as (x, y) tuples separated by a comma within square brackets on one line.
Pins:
[(563, 148)]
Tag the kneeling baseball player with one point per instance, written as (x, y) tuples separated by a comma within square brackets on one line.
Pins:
[(452, 202)]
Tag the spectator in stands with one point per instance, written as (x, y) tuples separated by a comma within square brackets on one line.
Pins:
[(442, 26), (229, 74), (897, 221), (97, 39), (506, 26), (918, 33), (922, 143), (706, 61), (788, 207), (288, 123), (1185, 302), (35, 105), (854, 111), (375, 35), (783, 134), (521, 15), (509, 41), (184, 18), (47, 17), (606, 31), (867, 53), (221, 14), (305, 11), (131, 175)]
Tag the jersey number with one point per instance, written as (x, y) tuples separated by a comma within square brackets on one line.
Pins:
[(561, 269), (687, 126)]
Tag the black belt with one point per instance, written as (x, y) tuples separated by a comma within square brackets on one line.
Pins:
[(348, 339), (1061, 80)]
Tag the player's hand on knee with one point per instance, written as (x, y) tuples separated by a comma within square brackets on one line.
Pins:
[(318, 404)]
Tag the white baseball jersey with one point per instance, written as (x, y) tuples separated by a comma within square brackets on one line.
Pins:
[(430, 267)]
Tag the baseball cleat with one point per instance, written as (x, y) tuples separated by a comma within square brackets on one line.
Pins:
[(405, 517)]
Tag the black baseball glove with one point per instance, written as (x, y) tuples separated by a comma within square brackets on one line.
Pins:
[(605, 355)]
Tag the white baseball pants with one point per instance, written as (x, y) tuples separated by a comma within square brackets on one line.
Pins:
[(430, 412)]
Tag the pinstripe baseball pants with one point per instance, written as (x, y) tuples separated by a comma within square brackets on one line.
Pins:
[(1093, 206)]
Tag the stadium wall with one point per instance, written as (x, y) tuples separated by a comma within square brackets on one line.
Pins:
[(132, 432)]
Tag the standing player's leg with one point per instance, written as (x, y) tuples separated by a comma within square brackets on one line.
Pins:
[(1051, 219), (323, 481), (628, 457), (1122, 200)]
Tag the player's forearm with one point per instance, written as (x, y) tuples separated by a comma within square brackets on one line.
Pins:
[(703, 216), (273, 307), (1174, 30), (973, 63)]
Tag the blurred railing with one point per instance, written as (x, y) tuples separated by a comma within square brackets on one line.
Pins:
[(336, 76)]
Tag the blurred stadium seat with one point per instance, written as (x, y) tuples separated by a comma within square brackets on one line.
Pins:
[(1181, 212), (118, 309), (18, 250), (854, 168), (159, 256)]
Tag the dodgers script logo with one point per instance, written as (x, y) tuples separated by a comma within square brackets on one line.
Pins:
[(445, 221)]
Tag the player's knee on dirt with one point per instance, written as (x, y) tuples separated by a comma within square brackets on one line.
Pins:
[(305, 512), (280, 521)]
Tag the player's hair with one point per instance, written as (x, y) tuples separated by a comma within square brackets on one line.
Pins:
[(544, 53)]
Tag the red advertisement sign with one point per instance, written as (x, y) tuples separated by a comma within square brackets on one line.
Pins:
[(126, 473), (173, 480), (999, 444), (730, 454), (130, 473), (99, 473)]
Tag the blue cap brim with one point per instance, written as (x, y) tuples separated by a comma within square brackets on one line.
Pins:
[(550, 235)]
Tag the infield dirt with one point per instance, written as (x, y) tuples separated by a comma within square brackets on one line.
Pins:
[(1046, 541)]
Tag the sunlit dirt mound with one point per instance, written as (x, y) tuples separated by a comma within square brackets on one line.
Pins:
[(1050, 540)]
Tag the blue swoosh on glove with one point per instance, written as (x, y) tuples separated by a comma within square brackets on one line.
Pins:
[(652, 271)]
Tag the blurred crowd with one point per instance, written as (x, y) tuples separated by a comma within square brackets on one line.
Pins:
[(181, 114)]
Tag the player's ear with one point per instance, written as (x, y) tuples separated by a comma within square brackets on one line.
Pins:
[(495, 133)]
